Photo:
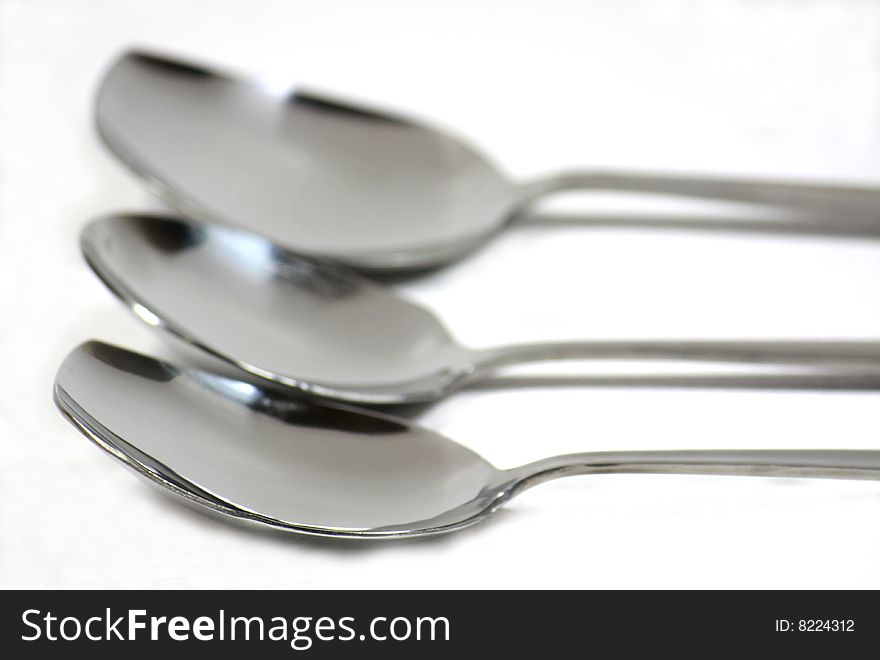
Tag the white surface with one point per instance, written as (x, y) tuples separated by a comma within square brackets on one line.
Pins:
[(782, 88)]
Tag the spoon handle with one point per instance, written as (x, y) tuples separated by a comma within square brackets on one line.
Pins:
[(796, 353), (851, 200), (813, 463)]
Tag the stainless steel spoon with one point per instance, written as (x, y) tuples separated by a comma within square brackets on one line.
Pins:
[(322, 328), (317, 468), (365, 187)]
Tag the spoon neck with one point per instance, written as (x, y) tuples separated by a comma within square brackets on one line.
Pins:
[(532, 190), (829, 464), (850, 200)]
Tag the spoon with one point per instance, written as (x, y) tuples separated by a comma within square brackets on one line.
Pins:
[(308, 466), (365, 187), (324, 329)]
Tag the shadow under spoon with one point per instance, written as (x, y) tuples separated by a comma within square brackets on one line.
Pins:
[(306, 466), (324, 329)]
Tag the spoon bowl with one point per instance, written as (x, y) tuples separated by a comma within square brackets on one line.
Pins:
[(313, 174), (363, 186), (287, 461), (305, 323), (294, 463)]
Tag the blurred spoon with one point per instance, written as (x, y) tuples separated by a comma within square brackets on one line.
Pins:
[(322, 328), (366, 187), (306, 466)]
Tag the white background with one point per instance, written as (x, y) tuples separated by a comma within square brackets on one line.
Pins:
[(784, 88)]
